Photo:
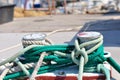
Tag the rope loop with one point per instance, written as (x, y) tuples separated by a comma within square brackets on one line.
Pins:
[(88, 55), (75, 55), (103, 69), (77, 52)]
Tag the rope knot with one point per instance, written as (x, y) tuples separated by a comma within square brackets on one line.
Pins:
[(77, 53)]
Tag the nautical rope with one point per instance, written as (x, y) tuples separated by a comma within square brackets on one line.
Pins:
[(45, 48), (103, 69), (9, 48), (61, 30), (26, 43), (21, 66), (89, 59), (63, 60), (36, 42), (80, 50), (7, 68), (17, 68), (113, 63), (38, 65)]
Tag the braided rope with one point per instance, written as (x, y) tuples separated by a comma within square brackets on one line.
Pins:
[(6, 70), (17, 68), (27, 43), (80, 50), (38, 65), (103, 69), (36, 42), (78, 53), (50, 48), (22, 66)]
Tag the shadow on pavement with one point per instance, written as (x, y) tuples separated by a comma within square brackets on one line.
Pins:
[(112, 13), (109, 28)]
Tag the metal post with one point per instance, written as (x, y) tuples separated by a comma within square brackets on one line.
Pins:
[(73, 1), (53, 6), (33, 4), (25, 4), (65, 2), (88, 36), (49, 7)]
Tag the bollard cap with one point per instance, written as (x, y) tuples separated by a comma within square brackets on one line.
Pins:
[(35, 36), (89, 35)]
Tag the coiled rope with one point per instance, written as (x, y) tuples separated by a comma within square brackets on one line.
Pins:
[(36, 42), (14, 75), (31, 42), (80, 50), (34, 50), (65, 55)]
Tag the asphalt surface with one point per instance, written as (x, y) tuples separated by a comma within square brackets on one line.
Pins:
[(108, 25), (50, 23)]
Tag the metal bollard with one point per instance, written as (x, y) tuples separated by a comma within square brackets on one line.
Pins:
[(88, 36), (35, 38)]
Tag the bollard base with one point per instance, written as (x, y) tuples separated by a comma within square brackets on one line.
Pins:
[(71, 73)]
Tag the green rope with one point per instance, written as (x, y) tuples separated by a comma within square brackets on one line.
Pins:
[(22, 67), (51, 57), (64, 55), (43, 69), (114, 64), (103, 69), (10, 59), (80, 50)]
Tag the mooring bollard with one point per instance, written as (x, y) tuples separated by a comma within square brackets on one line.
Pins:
[(35, 39), (88, 36)]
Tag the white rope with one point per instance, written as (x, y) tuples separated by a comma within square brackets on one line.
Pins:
[(31, 42), (8, 66), (17, 68), (61, 30), (39, 63), (12, 47)]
